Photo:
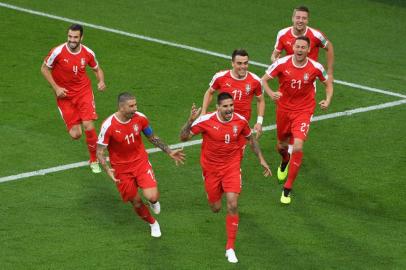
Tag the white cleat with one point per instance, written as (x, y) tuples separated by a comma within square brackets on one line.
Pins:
[(155, 207), (230, 254), (155, 229)]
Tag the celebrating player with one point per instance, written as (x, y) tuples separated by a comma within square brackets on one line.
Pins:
[(295, 101), (65, 70), (221, 159), (242, 85), (121, 135), (287, 36)]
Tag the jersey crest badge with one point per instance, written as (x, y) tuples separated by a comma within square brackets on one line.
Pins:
[(306, 77), (83, 62), (136, 129), (247, 88), (235, 130)]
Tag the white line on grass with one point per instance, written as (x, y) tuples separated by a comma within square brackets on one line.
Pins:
[(190, 143), (177, 45)]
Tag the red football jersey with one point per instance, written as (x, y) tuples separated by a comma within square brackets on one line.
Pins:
[(69, 69), (124, 141), (242, 90), (220, 147), (297, 84), (285, 40)]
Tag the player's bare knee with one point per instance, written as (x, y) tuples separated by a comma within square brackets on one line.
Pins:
[(215, 209), (232, 208), (75, 134), (297, 148)]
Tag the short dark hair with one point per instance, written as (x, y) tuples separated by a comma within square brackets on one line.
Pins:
[(240, 52), (301, 8), (223, 96), (304, 38), (123, 97), (76, 27)]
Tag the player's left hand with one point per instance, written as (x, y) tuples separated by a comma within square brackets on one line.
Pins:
[(258, 130), (101, 86), (267, 170), (324, 104), (178, 155)]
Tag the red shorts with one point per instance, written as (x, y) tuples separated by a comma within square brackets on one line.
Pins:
[(141, 177), (75, 110), (292, 124), (216, 182)]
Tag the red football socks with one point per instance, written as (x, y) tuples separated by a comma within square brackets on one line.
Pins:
[(144, 213), (231, 228), (91, 140), (295, 163)]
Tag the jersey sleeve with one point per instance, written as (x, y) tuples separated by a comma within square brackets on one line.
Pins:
[(197, 126), (321, 72), (320, 38), (273, 70), (278, 43), (258, 89), (93, 61), (215, 82), (246, 131), (52, 56), (104, 135)]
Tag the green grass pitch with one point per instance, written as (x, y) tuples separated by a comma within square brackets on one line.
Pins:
[(348, 209)]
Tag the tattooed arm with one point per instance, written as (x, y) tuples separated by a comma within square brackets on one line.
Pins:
[(255, 148), (175, 154), (102, 160), (185, 134)]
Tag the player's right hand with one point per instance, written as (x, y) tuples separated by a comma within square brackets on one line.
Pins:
[(110, 172), (61, 92), (276, 95)]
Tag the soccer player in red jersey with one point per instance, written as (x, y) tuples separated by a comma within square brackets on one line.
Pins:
[(65, 70), (287, 36), (295, 103), (130, 168), (221, 158), (242, 85)]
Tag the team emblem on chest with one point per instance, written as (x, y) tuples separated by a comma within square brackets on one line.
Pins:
[(306, 77), (136, 129), (247, 88), (235, 130), (83, 62)]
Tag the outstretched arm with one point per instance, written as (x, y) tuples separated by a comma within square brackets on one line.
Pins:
[(102, 160), (185, 133), (175, 154), (255, 148)]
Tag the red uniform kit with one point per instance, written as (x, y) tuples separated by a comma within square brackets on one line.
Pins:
[(297, 85), (69, 72), (285, 40), (221, 153), (127, 154), (242, 90)]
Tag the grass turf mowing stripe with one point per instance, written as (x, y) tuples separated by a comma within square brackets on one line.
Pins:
[(182, 46), (195, 142)]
